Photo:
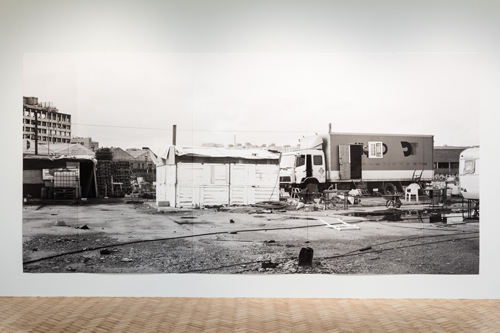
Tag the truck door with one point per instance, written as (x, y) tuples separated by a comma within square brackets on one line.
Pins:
[(318, 167), (309, 169), (350, 161), (300, 168), (345, 161)]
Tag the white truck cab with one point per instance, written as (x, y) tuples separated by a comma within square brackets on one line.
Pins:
[(302, 166)]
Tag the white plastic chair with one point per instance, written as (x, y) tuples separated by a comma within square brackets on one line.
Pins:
[(412, 189)]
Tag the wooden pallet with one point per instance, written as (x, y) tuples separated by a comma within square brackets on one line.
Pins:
[(64, 193)]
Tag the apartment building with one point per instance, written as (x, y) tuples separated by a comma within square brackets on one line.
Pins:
[(86, 142), (44, 121)]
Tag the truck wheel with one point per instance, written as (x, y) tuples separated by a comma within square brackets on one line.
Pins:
[(389, 188)]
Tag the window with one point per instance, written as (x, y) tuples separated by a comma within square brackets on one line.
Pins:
[(469, 167), (375, 149), (443, 165), (454, 165), (317, 160), (301, 160)]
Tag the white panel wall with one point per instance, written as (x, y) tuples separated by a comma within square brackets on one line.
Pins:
[(202, 184), (165, 184), (215, 195), (252, 183), (196, 184), (239, 195)]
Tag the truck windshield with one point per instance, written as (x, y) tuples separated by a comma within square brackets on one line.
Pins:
[(287, 161)]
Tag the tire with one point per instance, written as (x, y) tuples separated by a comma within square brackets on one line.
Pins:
[(389, 188), (389, 203)]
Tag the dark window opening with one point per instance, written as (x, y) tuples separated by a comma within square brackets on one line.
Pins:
[(443, 165), (301, 160)]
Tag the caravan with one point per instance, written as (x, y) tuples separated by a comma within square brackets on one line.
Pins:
[(469, 173)]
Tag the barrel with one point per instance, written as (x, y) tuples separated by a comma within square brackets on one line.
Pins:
[(44, 193)]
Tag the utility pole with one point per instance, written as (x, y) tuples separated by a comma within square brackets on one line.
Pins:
[(174, 135), (36, 132)]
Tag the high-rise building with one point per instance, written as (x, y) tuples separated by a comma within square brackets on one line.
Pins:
[(45, 121)]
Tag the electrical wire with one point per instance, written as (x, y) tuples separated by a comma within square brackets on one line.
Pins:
[(197, 235), (190, 130), (347, 254)]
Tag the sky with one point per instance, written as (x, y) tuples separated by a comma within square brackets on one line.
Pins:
[(132, 100)]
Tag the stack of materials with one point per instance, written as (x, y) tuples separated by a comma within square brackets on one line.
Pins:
[(104, 154), (121, 174), (112, 172), (104, 173)]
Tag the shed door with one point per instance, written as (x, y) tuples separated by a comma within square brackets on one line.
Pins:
[(345, 161)]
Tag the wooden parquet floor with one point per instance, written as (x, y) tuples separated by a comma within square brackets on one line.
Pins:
[(148, 315)]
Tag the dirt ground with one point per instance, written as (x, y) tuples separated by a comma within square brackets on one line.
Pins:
[(138, 237)]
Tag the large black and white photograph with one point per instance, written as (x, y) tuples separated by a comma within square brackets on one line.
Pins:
[(251, 163)]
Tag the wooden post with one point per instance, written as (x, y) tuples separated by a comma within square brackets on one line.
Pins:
[(174, 135)]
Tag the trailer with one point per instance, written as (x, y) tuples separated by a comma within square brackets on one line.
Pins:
[(383, 163), (469, 173)]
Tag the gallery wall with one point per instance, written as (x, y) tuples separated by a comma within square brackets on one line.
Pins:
[(249, 27)]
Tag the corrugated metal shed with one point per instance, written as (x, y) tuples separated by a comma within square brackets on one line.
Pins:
[(71, 149)]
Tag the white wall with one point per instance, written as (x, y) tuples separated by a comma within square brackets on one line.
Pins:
[(163, 26)]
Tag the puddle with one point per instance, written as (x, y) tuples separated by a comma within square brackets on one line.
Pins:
[(300, 218), (390, 214), (192, 222)]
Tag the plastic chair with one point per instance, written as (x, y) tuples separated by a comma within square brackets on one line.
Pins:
[(412, 189), (295, 193)]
